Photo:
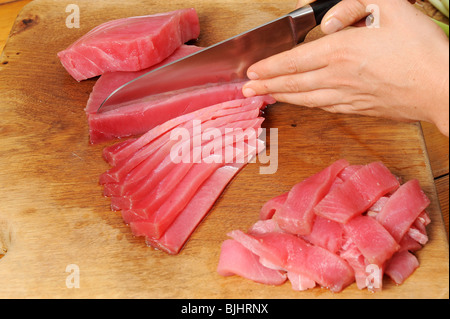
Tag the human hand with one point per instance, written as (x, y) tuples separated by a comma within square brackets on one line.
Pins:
[(398, 70)]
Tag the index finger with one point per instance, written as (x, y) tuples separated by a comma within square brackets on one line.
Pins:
[(303, 58)]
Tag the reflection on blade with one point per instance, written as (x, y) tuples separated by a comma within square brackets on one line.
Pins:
[(222, 62)]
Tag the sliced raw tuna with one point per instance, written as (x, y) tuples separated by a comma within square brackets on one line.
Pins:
[(358, 193), (111, 81), (264, 227), (297, 214), (349, 171), (372, 239), (403, 208), (418, 235), (159, 220), (357, 261), (297, 256), (272, 206), (409, 243), (134, 175), (142, 208), (187, 221), (129, 44), (360, 249), (327, 234), (300, 282), (378, 206), (401, 266), (235, 259), (116, 155), (141, 116), (143, 182), (119, 172)]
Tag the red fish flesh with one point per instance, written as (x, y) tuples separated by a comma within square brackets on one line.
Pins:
[(360, 249), (272, 206), (297, 214), (401, 266), (115, 155), (143, 115), (372, 239), (129, 44), (109, 82), (297, 256), (357, 194), (327, 234), (189, 218), (403, 208), (130, 176), (235, 259), (144, 207), (139, 183), (175, 237)]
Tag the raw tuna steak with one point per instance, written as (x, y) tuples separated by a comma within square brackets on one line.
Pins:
[(129, 44), (142, 116), (111, 81)]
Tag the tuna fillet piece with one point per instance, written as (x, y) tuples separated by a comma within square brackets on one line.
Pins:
[(129, 44), (122, 151), (235, 259), (372, 239), (111, 81), (137, 175), (327, 234), (148, 191), (297, 214), (143, 115), (160, 219), (178, 233), (401, 266), (403, 208), (295, 255), (300, 282), (358, 193), (272, 206)]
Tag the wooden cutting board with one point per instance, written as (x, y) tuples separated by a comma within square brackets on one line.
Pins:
[(55, 224)]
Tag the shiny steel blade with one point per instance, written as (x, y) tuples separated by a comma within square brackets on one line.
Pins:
[(223, 62)]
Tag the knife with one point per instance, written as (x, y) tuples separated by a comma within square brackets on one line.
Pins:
[(225, 61)]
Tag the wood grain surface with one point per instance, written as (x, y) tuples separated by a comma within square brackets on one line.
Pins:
[(53, 215)]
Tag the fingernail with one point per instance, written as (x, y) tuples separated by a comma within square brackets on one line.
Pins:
[(332, 25), (253, 76), (248, 92)]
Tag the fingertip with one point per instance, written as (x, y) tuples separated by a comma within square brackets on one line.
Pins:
[(252, 75), (331, 25), (248, 92)]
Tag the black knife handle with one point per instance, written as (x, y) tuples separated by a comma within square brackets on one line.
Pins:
[(321, 7)]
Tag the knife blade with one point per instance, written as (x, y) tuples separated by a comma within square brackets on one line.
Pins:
[(225, 61)]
